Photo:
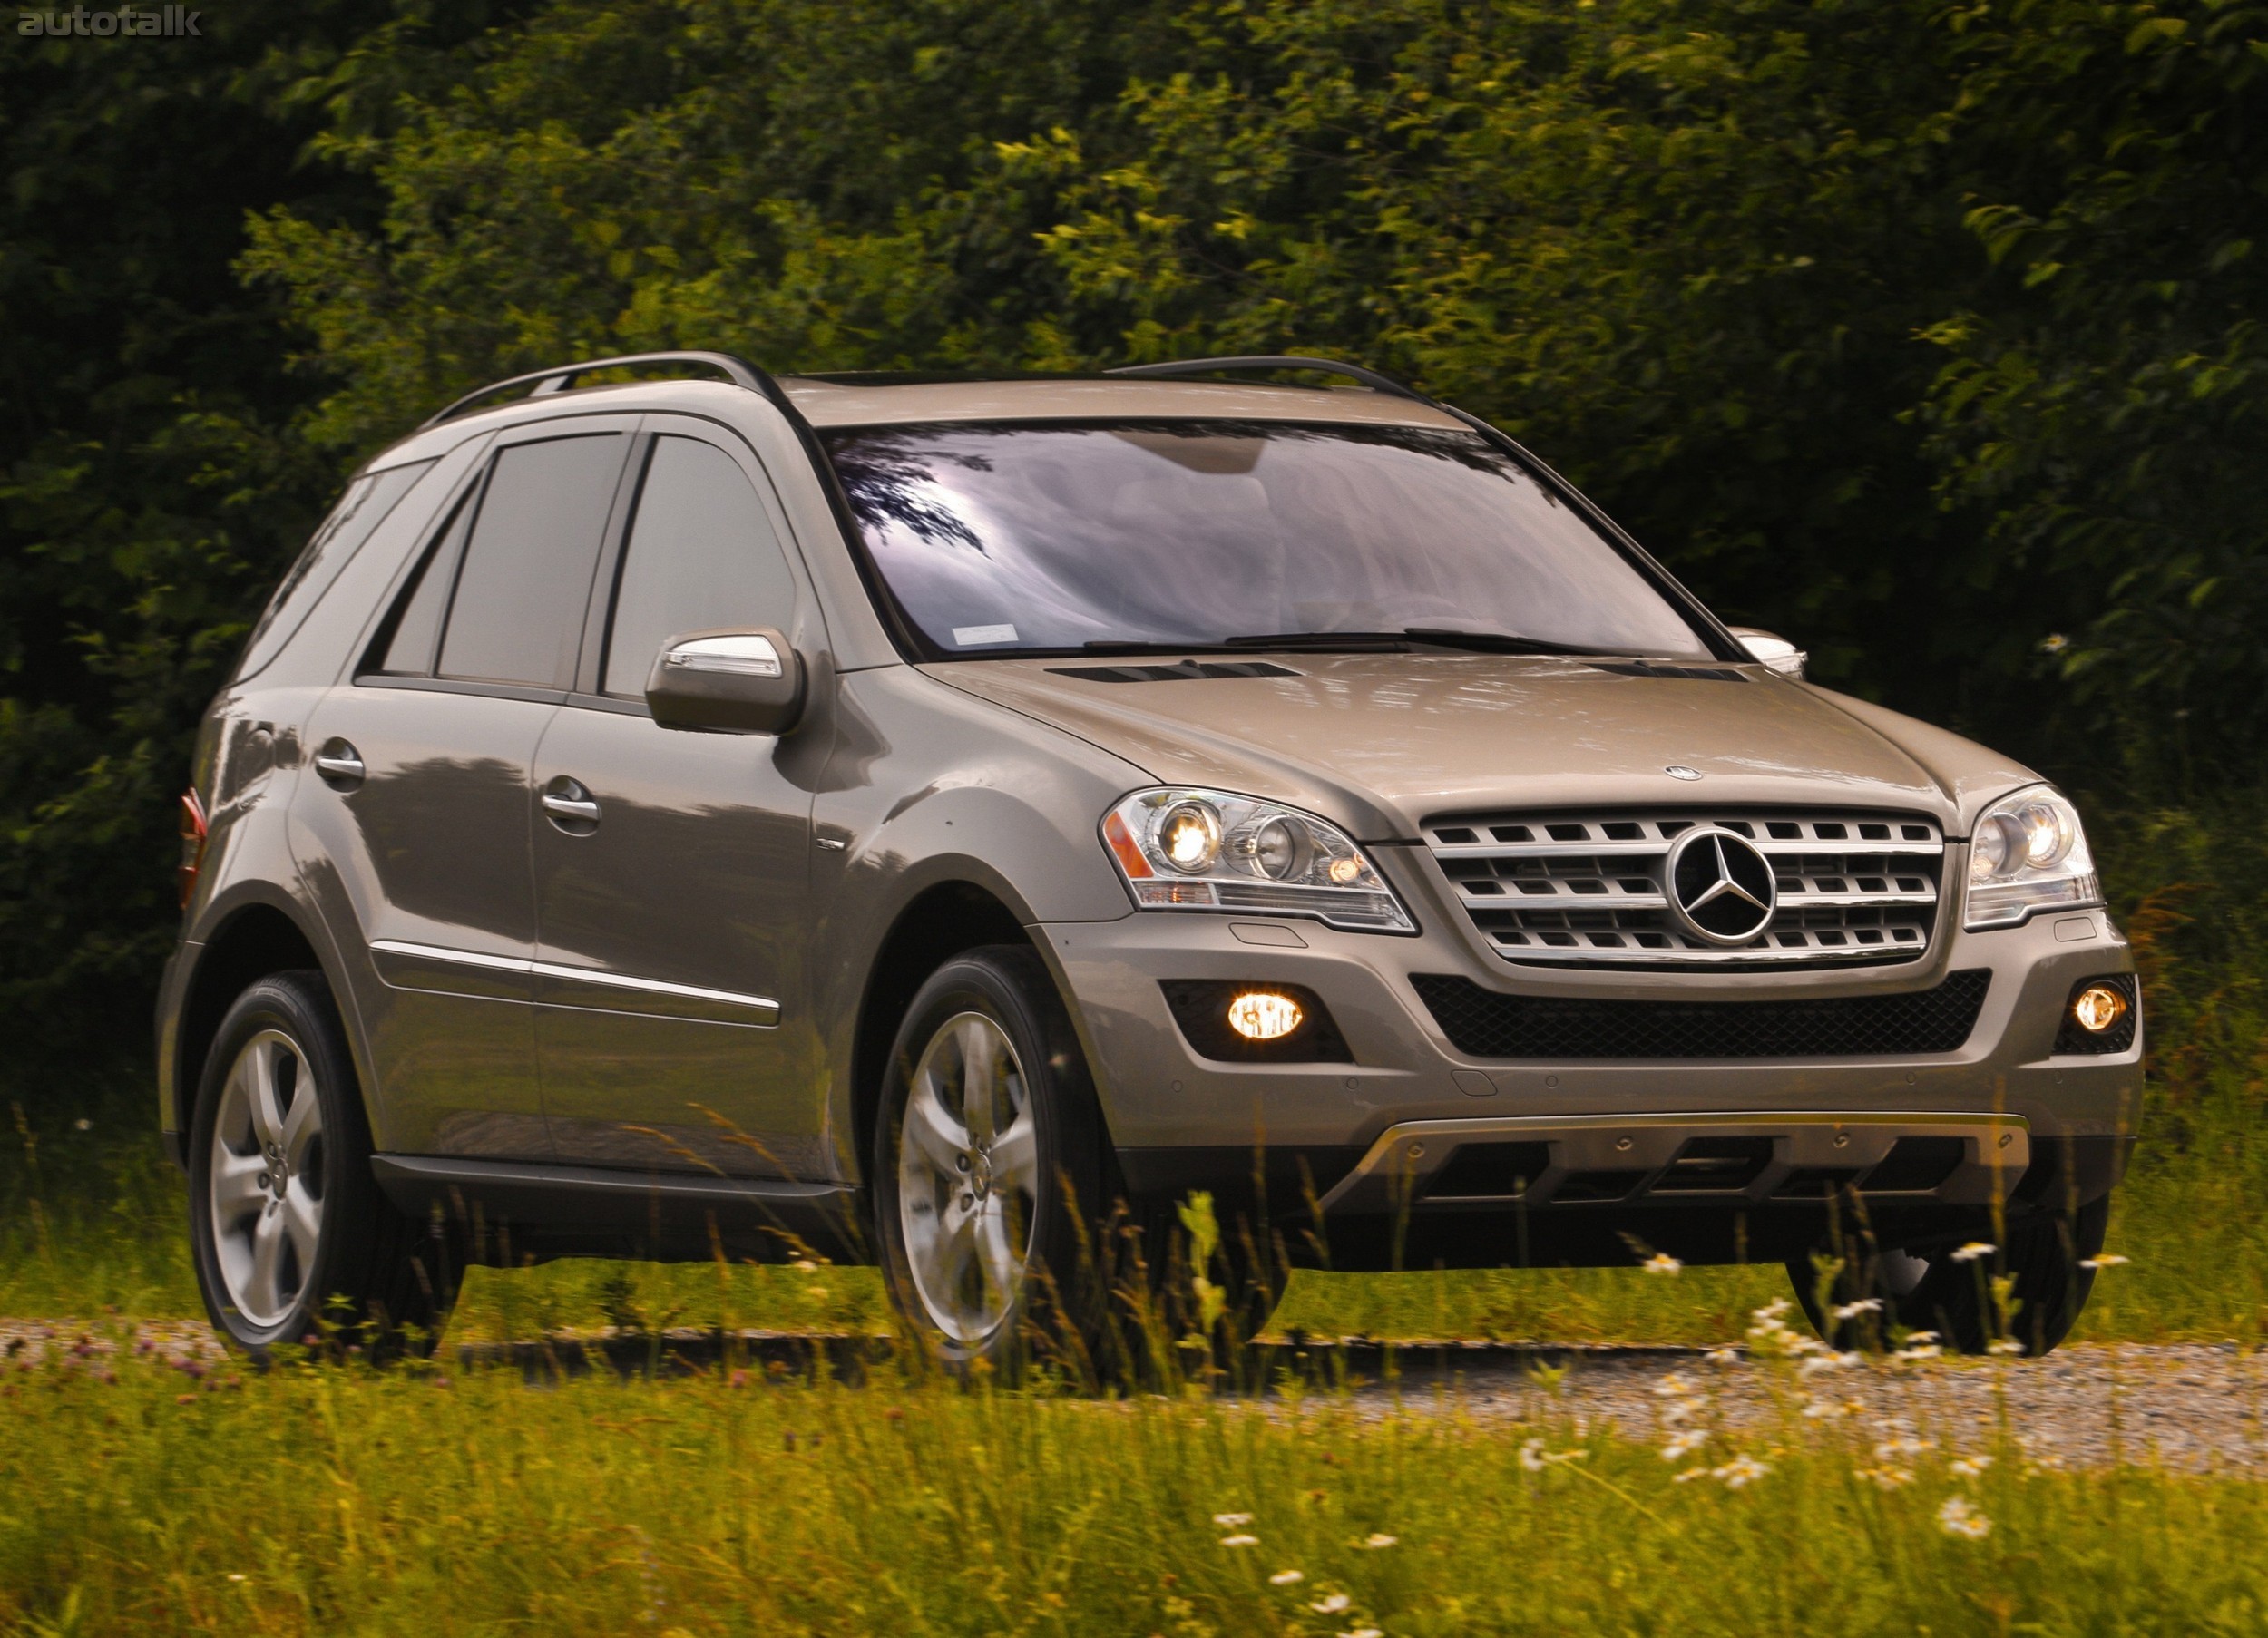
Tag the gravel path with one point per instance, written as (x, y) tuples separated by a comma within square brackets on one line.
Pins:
[(2199, 1406), (2192, 1406)]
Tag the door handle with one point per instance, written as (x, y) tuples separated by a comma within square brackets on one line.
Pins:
[(570, 806), (341, 765)]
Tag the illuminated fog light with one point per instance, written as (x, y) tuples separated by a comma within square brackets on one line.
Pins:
[(1261, 1015), (2099, 1007), (1189, 835)]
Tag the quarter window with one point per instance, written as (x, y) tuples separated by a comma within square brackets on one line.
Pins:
[(702, 553)]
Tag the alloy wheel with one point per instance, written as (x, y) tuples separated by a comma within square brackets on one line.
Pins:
[(266, 1191), (968, 1177)]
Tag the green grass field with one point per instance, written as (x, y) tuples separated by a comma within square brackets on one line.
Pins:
[(318, 1498)]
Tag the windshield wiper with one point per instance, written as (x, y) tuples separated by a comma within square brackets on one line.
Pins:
[(1391, 641), (1501, 642)]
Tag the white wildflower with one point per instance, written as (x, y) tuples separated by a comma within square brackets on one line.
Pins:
[(1284, 1578), (1891, 1450), (1364, 1631), (1229, 1521), (1770, 1312), (1864, 1305), (1740, 1472), (1676, 1387), (2108, 1260), (1380, 1539), (1679, 1478), (1829, 1359), (1531, 1455), (1970, 1466), (1723, 1356), (2005, 1346), (1239, 1541), (1661, 1263), (1918, 1351), (1682, 1445), (1972, 1251), (1331, 1605), (1958, 1517), (1886, 1478), (1822, 1410)]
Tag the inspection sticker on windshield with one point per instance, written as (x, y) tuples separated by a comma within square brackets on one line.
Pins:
[(970, 637)]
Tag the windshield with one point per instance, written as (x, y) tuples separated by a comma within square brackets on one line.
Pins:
[(999, 540)]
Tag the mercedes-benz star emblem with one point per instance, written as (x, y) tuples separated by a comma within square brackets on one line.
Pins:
[(1721, 889)]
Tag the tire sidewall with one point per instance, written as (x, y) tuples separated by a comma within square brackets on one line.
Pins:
[(1013, 988), (298, 1006)]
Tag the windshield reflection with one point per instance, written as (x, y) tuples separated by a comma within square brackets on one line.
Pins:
[(1050, 537)]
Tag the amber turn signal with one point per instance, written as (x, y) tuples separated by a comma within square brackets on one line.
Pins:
[(1262, 1015), (2098, 1007)]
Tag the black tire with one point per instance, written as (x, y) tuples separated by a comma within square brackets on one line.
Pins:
[(1923, 1289), (1048, 1303), (370, 1273)]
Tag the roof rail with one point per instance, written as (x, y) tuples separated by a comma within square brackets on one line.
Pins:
[(1374, 379), (558, 379)]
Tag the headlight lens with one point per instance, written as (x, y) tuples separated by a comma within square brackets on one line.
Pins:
[(2028, 853), (1210, 849)]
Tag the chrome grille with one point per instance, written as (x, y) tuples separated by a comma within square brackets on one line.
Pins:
[(1556, 888)]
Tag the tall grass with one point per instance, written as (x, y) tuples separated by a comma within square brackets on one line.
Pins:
[(329, 1499)]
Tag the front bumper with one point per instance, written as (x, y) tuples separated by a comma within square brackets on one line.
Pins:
[(1324, 1131)]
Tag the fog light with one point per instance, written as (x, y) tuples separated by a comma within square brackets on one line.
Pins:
[(1260, 1014), (2099, 1007)]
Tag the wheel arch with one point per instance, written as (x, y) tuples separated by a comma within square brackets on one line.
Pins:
[(253, 940), (941, 922)]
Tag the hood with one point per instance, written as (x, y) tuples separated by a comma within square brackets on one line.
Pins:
[(1383, 742)]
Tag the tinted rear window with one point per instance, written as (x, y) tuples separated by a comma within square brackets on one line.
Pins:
[(517, 613)]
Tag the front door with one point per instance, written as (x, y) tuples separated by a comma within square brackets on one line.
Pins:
[(671, 868), (419, 812)]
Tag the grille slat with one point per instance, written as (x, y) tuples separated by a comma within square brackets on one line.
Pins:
[(1853, 887), (1488, 1023)]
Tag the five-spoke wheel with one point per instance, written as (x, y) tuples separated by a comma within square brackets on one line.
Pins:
[(267, 1170)]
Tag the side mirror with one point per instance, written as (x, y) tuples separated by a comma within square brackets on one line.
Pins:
[(746, 681), (1773, 653)]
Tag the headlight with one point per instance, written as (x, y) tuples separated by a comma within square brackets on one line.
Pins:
[(2028, 853), (1207, 850)]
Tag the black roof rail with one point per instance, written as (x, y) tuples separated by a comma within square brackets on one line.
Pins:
[(558, 379), (1375, 379)]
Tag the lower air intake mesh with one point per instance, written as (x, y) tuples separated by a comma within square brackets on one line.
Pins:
[(1486, 1023)]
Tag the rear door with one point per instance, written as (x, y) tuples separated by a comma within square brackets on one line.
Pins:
[(673, 1023), (419, 814)]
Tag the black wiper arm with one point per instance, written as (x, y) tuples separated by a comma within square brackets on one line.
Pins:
[(1391, 642), (1498, 642)]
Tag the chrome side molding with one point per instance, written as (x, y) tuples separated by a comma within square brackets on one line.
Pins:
[(757, 1008)]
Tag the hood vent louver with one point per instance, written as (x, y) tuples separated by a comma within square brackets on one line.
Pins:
[(1182, 671)]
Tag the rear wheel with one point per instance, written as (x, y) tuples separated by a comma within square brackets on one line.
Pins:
[(1929, 1289), (287, 1222)]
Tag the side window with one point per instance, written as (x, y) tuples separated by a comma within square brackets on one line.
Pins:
[(701, 554), (365, 505), (417, 628), (516, 613)]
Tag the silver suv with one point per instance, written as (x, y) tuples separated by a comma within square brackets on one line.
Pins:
[(933, 821)]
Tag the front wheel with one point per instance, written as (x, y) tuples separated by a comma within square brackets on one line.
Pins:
[(1933, 1289), (285, 1221), (989, 1148)]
